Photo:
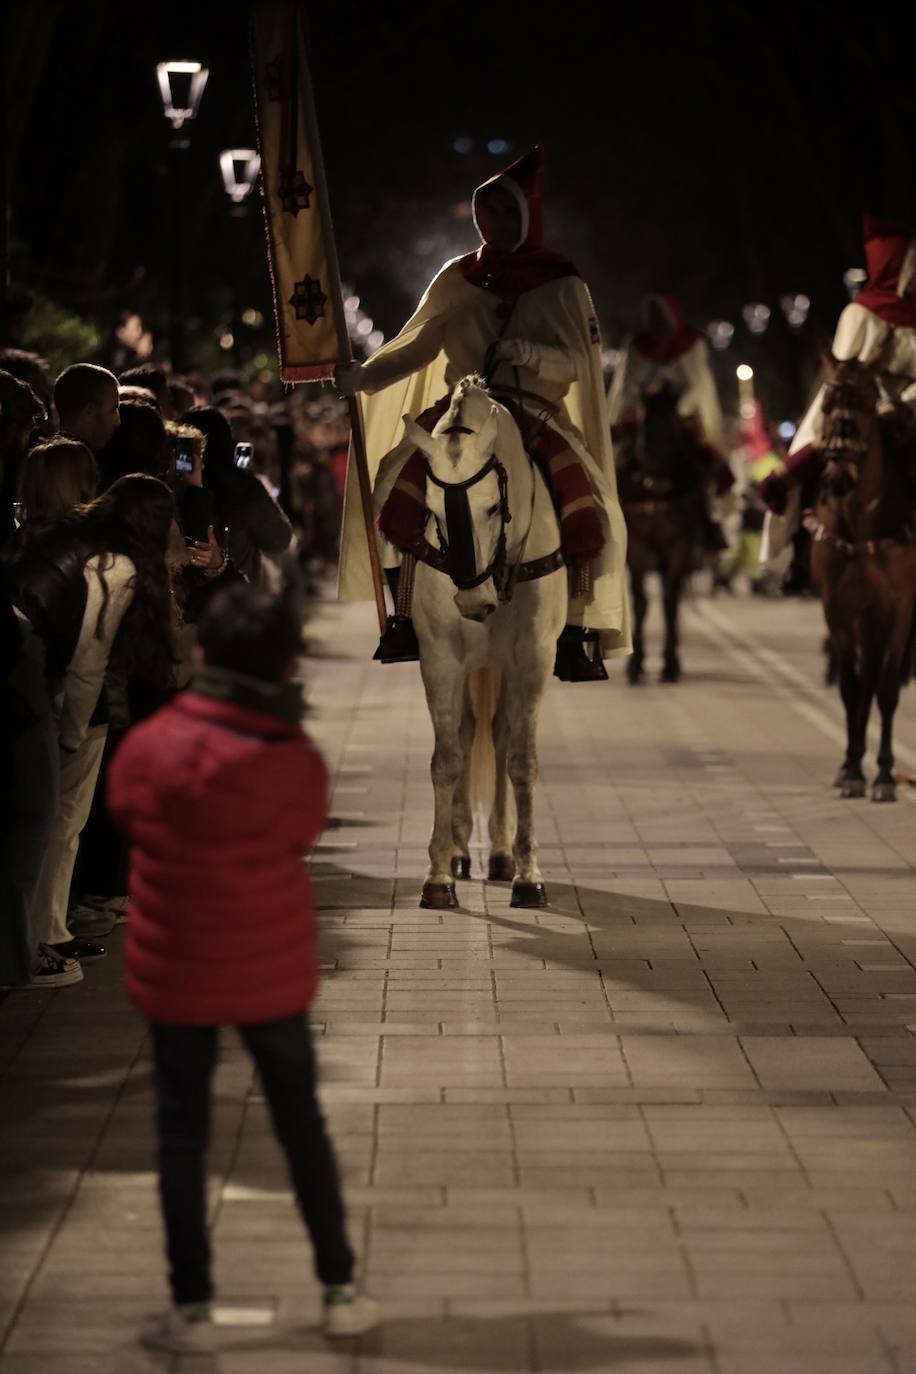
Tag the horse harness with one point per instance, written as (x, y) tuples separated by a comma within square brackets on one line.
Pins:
[(844, 448), (455, 555), (868, 548)]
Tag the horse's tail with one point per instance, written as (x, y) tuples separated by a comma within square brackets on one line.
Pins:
[(484, 686)]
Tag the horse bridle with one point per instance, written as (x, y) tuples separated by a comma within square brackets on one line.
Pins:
[(457, 538)]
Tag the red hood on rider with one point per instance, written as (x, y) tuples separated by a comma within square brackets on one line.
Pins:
[(886, 246), (678, 336), (530, 264)]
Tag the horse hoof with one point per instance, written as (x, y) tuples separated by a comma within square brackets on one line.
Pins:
[(670, 673), (840, 779), (884, 792), (852, 788), (439, 897), (528, 894), (501, 868), (461, 866), (635, 673)]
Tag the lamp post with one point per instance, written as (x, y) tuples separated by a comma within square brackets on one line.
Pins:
[(181, 86), (746, 404), (854, 278), (240, 168)]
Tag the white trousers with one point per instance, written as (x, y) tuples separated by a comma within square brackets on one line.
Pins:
[(79, 774)]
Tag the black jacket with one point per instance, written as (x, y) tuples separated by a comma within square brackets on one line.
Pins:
[(48, 585)]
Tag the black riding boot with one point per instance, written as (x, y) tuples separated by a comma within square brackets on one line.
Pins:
[(398, 642), (575, 662)]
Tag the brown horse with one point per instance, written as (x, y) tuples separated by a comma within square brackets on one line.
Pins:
[(863, 562), (661, 477)]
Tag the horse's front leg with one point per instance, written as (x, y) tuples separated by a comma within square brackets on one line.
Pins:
[(884, 788), (640, 607), (672, 587), (462, 819), (856, 702), (502, 864), (522, 761), (445, 692)]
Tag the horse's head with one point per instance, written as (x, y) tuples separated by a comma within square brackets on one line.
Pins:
[(466, 492), (850, 414)]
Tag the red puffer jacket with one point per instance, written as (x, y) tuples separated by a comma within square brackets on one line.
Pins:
[(220, 803)]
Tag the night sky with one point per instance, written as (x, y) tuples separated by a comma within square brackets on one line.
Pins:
[(726, 153)]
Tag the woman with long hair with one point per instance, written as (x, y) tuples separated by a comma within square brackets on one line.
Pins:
[(95, 590)]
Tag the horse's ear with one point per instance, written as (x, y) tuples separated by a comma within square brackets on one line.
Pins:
[(486, 437), (419, 437)]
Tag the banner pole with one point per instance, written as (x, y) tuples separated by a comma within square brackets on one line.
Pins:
[(357, 431)]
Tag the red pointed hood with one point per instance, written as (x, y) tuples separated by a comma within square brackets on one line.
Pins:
[(524, 180), (665, 334), (530, 264), (887, 245)]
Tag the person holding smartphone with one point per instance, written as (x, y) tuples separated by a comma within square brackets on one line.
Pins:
[(248, 518)]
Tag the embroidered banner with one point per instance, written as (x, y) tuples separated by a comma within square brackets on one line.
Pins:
[(311, 333)]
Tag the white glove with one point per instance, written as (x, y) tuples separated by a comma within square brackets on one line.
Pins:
[(549, 363), (350, 378)]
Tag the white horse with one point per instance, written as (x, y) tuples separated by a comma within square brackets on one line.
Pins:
[(488, 607)]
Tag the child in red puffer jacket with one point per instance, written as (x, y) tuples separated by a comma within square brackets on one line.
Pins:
[(221, 796)]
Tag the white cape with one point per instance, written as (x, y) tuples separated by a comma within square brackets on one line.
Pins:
[(444, 340)]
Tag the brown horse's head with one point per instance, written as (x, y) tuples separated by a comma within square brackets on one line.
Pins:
[(850, 416)]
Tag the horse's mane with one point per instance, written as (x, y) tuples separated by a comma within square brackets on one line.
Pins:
[(472, 380)]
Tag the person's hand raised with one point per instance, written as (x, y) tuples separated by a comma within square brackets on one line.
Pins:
[(208, 556)]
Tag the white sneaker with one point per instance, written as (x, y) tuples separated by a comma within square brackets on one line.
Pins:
[(348, 1313), (90, 922), (187, 1330), (118, 907)]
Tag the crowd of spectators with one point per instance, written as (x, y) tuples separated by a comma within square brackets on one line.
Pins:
[(126, 504)]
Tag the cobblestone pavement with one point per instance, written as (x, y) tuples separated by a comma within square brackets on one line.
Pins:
[(666, 1125)]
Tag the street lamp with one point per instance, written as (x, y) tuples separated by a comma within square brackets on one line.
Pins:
[(240, 167), (181, 86), (721, 333), (745, 375), (756, 317), (795, 307), (854, 278)]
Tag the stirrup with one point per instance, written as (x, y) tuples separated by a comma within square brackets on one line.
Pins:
[(579, 656), (398, 643)]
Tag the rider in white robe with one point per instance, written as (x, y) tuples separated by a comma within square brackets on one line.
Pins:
[(522, 316)]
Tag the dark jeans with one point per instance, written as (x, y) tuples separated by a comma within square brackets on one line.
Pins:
[(185, 1057)]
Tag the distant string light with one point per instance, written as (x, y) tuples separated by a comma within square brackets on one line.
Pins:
[(463, 144)]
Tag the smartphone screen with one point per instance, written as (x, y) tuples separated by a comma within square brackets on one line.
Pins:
[(243, 455), (184, 455)]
